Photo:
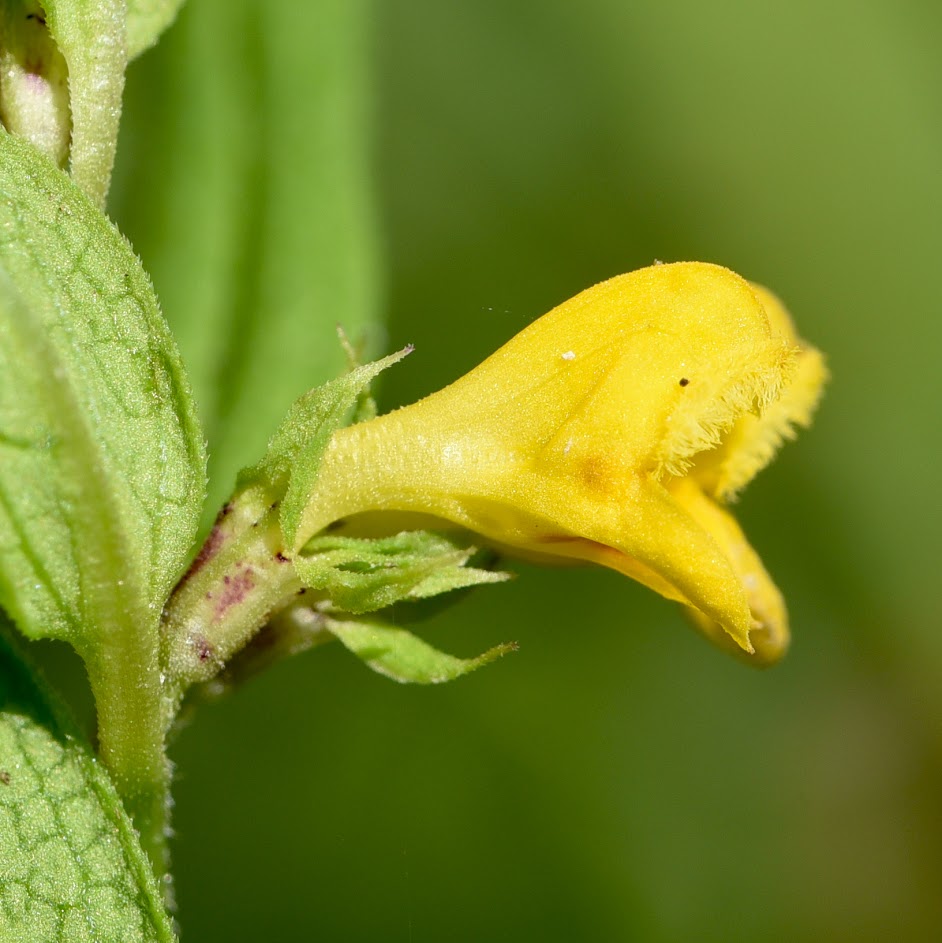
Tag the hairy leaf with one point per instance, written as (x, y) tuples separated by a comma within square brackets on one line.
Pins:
[(299, 444), (309, 423), (72, 868), (101, 459), (365, 574), (402, 656)]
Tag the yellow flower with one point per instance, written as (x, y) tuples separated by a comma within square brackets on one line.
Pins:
[(610, 430)]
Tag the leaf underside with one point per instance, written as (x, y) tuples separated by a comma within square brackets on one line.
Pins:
[(404, 657), (101, 459)]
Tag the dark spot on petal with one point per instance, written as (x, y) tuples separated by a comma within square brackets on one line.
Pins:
[(4, 777), (280, 557), (684, 381)]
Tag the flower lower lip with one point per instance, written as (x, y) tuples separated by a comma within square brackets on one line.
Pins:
[(768, 635), (595, 552)]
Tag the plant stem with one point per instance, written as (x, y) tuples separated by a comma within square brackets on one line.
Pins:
[(125, 680), (240, 579)]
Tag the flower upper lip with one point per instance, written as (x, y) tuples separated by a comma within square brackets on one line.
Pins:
[(608, 431)]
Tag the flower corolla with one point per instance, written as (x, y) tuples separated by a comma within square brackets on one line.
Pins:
[(612, 430)]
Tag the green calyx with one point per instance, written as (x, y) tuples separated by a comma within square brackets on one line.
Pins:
[(247, 596)]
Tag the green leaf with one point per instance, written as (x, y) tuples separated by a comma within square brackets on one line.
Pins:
[(245, 182), (298, 446), (287, 473), (90, 35), (301, 438), (459, 576), (147, 19), (365, 574), (72, 869), (404, 657), (365, 407), (101, 459)]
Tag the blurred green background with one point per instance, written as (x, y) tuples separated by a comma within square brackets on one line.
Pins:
[(454, 170)]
